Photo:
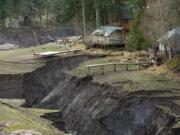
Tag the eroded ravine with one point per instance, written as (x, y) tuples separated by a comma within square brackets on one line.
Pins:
[(92, 108)]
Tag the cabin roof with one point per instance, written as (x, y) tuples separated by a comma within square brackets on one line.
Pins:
[(170, 34), (124, 13), (106, 30)]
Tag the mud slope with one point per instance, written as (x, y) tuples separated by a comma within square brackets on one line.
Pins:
[(27, 37), (42, 81), (90, 108), (11, 86)]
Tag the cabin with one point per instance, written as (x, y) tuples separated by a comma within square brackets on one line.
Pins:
[(172, 39), (125, 18), (106, 36)]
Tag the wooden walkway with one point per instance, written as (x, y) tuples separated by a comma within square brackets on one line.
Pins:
[(102, 66), (55, 54)]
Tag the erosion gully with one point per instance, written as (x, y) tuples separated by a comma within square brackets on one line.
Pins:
[(92, 108)]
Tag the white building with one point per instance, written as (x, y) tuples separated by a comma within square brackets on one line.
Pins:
[(170, 40)]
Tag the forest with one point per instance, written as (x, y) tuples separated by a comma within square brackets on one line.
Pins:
[(45, 13), (61, 11)]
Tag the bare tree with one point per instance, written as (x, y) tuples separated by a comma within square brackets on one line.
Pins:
[(97, 14), (159, 18), (164, 24), (84, 17)]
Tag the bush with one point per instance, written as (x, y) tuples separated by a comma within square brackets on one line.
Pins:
[(175, 63)]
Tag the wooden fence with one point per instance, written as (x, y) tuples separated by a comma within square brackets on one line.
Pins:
[(102, 66)]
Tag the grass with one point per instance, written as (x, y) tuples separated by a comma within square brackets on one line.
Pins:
[(139, 80), (26, 120), (81, 70), (18, 53), (22, 60), (175, 63), (132, 80), (18, 68)]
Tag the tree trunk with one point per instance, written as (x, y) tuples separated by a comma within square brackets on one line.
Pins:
[(170, 54), (97, 18), (97, 14), (84, 17)]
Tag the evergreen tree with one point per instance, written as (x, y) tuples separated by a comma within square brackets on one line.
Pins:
[(135, 39)]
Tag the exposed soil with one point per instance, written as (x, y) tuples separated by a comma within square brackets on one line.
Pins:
[(94, 108), (11, 86), (27, 37), (90, 108)]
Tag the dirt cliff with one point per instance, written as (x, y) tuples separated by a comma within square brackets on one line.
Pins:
[(27, 37), (11, 86), (91, 108)]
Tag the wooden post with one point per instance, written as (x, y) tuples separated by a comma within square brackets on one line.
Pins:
[(115, 68), (102, 67), (126, 67)]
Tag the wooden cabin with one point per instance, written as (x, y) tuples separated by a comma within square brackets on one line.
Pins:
[(125, 19), (106, 36)]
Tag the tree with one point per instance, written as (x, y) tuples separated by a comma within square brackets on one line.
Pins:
[(136, 39), (61, 11), (97, 13), (84, 17)]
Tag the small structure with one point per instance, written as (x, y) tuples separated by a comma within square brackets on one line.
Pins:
[(106, 36), (46, 54), (68, 41), (50, 54), (170, 41), (74, 38), (125, 19)]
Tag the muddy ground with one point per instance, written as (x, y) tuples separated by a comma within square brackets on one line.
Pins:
[(92, 106)]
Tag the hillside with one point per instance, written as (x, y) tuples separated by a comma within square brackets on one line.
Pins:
[(124, 81)]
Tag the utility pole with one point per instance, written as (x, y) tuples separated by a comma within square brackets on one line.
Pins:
[(84, 17)]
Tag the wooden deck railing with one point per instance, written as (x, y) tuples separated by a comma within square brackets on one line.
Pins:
[(55, 54)]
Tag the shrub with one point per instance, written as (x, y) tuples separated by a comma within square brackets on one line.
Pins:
[(175, 63)]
